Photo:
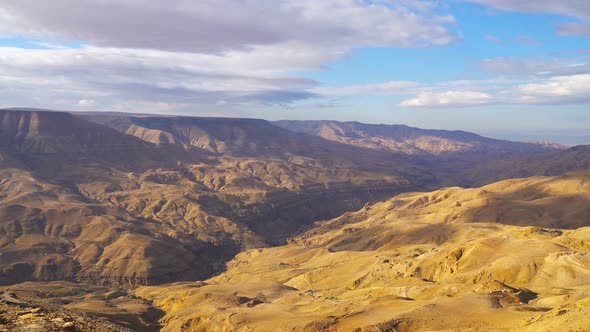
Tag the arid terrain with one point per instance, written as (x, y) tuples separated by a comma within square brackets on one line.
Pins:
[(294, 166), (119, 222), (490, 258)]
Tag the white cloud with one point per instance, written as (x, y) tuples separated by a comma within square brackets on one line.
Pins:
[(535, 66), (450, 98), (87, 103), (148, 107), (570, 89), (193, 53), (380, 89), (215, 26), (562, 89), (493, 39), (574, 8), (151, 55), (526, 40), (48, 45), (111, 76)]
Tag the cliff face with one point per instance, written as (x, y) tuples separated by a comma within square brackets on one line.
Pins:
[(59, 132)]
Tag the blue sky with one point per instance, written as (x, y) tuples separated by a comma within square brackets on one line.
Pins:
[(515, 70)]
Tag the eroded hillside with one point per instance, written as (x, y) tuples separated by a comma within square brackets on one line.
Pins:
[(413, 141), (125, 201), (82, 201), (451, 259), (77, 193)]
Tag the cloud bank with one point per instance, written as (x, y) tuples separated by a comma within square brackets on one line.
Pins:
[(202, 53), (571, 89), (225, 54)]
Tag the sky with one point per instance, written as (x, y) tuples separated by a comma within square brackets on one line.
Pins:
[(503, 68)]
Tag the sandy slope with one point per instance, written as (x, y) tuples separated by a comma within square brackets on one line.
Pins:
[(408, 264)]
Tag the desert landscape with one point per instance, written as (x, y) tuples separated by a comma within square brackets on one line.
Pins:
[(294, 166), (138, 231)]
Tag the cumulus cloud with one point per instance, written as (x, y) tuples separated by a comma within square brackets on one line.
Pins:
[(157, 57), (560, 89), (569, 89), (86, 103), (451, 98)]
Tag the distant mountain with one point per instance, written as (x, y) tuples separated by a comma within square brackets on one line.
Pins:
[(554, 163), (413, 141), (44, 138), (58, 132), (239, 137), (236, 137)]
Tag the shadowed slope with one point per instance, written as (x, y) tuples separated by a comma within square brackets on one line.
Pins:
[(82, 201), (250, 138), (64, 149), (49, 232), (547, 164)]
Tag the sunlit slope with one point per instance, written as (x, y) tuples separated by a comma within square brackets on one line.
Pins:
[(554, 202), (408, 264)]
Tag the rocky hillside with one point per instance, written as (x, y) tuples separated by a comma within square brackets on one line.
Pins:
[(129, 200), (464, 259), (548, 164), (222, 136), (413, 141), (83, 201), (69, 307), (449, 157), (89, 202)]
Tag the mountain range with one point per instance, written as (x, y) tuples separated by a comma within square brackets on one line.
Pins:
[(122, 201)]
